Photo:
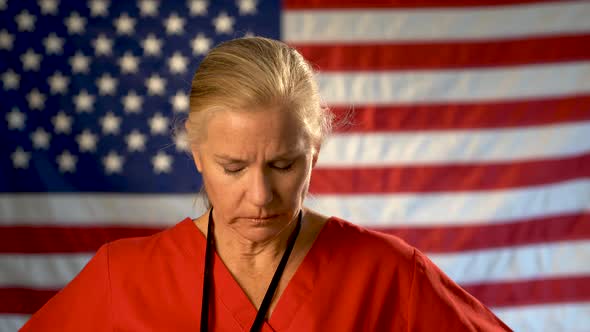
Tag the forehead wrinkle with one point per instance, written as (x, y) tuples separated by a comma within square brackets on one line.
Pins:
[(231, 136), (292, 153)]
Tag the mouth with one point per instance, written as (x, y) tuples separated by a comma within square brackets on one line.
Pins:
[(262, 219)]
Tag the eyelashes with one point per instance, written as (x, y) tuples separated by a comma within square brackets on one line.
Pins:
[(284, 168), (232, 171), (278, 168)]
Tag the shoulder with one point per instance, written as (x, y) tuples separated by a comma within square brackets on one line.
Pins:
[(369, 249), (173, 241), (366, 241), (420, 286)]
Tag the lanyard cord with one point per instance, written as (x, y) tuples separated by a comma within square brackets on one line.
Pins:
[(272, 287)]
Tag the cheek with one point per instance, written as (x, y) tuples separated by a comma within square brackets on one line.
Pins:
[(220, 189), (295, 187)]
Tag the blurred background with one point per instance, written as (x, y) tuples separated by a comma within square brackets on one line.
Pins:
[(470, 136)]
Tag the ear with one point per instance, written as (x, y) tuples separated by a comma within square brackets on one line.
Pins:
[(315, 155), (194, 150), (197, 159)]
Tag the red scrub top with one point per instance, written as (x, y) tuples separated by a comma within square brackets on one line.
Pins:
[(352, 279)]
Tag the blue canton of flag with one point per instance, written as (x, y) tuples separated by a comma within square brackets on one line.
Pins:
[(91, 91)]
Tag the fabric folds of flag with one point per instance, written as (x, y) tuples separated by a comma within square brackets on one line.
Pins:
[(469, 137)]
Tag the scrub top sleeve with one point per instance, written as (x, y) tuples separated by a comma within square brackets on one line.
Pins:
[(85, 304), (436, 303)]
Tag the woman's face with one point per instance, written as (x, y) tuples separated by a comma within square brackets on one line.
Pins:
[(256, 166)]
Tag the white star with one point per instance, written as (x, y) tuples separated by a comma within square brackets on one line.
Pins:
[(247, 7), (179, 102), (162, 163), (10, 80), (75, 23), (155, 85), (152, 45), (135, 141), (198, 7), (40, 139), (80, 63), (53, 44), (84, 102), (87, 141), (148, 7), (102, 45), (223, 23), (201, 44), (125, 25), (113, 163), (25, 21), (110, 124), (20, 158), (6, 40), (174, 24), (106, 84), (67, 162), (132, 102), (16, 119), (62, 123), (98, 8), (58, 83), (177, 63), (181, 141), (158, 124), (48, 7), (128, 63), (31, 60), (36, 99), (2, 4)]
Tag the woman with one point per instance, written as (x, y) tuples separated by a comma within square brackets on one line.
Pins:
[(257, 259)]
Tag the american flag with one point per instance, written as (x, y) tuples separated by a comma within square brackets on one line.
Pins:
[(470, 137)]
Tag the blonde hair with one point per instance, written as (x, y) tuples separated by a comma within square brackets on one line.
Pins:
[(257, 72)]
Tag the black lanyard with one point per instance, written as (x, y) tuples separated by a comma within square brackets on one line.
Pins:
[(210, 251)]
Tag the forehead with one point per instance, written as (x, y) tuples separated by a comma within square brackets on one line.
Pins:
[(243, 132)]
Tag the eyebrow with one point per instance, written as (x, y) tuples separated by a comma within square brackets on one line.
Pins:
[(228, 159), (232, 160)]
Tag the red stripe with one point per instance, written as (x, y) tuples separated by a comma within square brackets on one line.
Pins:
[(447, 54), (22, 300), (357, 4), (441, 239), (445, 239), (64, 239), (464, 115), (557, 290), (442, 178), (530, 292)]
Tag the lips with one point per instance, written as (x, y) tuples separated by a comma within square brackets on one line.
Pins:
[(263, 217)]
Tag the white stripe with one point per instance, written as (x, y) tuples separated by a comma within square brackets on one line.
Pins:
[(53, 271), (40, 271), (11, 323), (459, 146), (399, 25), (457, 85), (516, 263), (463, 208), (97, 209), (571, 317), (493, 206)]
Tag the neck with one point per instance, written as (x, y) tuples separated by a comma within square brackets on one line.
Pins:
[(248, 256)]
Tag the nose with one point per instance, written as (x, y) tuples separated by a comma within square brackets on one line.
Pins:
[(260, 191)]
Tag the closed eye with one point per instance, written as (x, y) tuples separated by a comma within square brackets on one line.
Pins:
[(235, 170), (283, 167)]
